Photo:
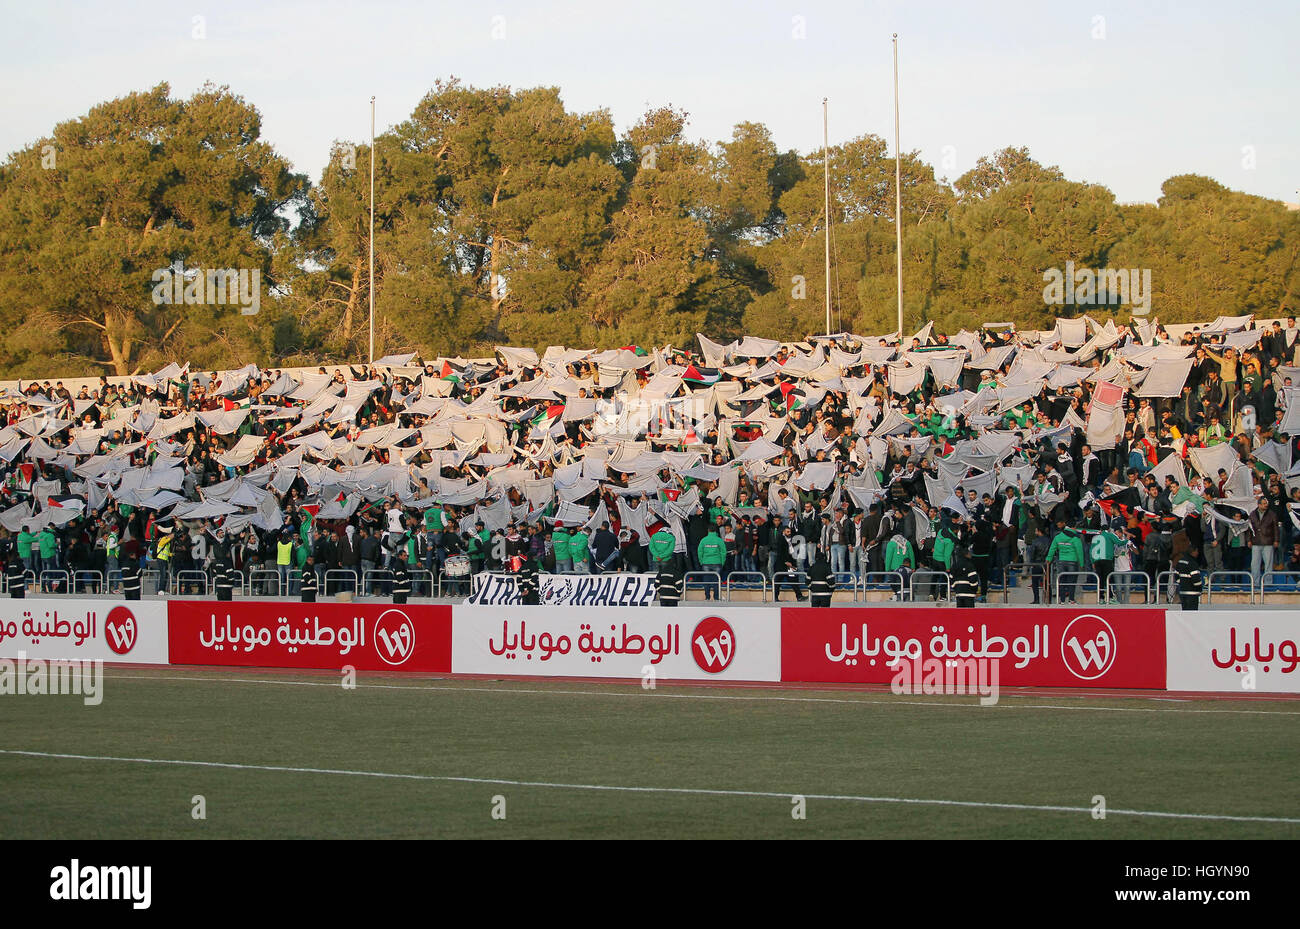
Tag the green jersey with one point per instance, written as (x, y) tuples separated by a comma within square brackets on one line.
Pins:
[(1066, 547), (712, 550)]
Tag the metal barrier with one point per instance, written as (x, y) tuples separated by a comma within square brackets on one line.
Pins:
[(1249, 586), (57, 578), (1112, 588), (794, 580), (1076, 586), (927, 586), (844, 580), (715, 585), (1290, 587), (385, 579), (1023, 570), (1166, 585), (743, 580), (157, 580), (462, 583), (190, 578), (891, 580), (93, 579), (423, 578), (262, 586), (343, 576)]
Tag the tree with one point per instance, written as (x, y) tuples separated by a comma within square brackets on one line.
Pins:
[(1002, 169), (90, 216)]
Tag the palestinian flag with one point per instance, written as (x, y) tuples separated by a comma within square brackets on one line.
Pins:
[(549, 415), (66, 502), (747, 431), (451, 372), (698, 375), (791, 396), (635, 350), (669, 494), (1120, 503)]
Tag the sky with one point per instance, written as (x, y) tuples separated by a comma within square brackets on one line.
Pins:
[(1125, 94)]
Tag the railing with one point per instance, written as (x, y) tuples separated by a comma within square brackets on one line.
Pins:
[(190, 578), (927, 586), (1289, 587), (153, 573), (236, 588), (1075, 586), (93, 579), (714, 585), (744, 580), (845, 580), (463, 584), (426, 580), (1113, 589), (344, 577), (262, 587), (57, 578), (887, 580), (1024, 570), (1249, 586), (794, 580), (381, 577), (1166, 586)]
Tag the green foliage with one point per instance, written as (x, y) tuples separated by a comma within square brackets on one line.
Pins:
[(501, 216)]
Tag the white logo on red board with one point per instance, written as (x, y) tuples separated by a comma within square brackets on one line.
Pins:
[(120, 629), (394, 637), (713, 644), (1088, 647)]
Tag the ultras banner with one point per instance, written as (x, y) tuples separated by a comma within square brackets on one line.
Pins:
[(567, 589)]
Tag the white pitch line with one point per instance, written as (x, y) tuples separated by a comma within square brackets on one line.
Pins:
[(700, 791), (661, 694)]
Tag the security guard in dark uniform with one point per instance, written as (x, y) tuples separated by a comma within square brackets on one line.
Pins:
[(1190, 580), (669, 582), (529, 594), (131, 579), (401, 580), (16, 577), (309, 584), (224, 580), (965, 580), (821, 582)]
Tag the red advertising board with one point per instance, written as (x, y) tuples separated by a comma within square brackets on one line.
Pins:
[(1033, 647), (286, 634)]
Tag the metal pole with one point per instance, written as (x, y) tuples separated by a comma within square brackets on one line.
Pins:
[(898, 197), (372, 230), (826, 171)]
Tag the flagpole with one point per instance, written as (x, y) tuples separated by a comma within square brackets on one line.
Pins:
[(898, 197), (826, 171), (372, 230)]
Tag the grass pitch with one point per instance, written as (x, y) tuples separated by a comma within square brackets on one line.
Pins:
[(298, 756)]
